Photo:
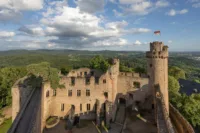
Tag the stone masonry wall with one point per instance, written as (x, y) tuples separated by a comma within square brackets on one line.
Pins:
[(180, 123), (20, 93)]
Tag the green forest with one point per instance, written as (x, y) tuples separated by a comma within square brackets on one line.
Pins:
[(48, 63)]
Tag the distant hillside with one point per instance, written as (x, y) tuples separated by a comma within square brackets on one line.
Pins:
[(59, 58)]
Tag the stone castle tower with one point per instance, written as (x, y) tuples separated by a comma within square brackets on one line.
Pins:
[(114, 72), (157, 67)]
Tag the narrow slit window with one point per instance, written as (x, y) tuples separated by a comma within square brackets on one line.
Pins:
[(80, 107), (62, 107), (47, 94), (88, 107)]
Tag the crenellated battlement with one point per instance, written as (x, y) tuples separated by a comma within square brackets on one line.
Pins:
[(157, 50)]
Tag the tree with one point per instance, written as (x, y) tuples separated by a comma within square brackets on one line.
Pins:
[(124, 68), (8, 76), (98, 62), (189, 106), (46, 72), (197, 80), (173, 85), (177, 72), (140, 70), (65, 70)]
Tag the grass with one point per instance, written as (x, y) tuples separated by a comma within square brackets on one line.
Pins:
[(51, 120), (6, 125)]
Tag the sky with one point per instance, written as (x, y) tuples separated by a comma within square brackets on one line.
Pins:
[(99, 24)]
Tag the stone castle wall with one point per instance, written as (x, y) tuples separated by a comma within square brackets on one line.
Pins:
[(132, 93), (111, 82), (20, 93), (180, 123)]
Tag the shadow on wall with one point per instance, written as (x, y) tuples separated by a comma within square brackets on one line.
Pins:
[(26, 86)]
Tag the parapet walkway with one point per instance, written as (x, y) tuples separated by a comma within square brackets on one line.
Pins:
[(30, 120)]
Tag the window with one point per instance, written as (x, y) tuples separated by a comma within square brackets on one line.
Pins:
[(88, 107), (54, 92), (136, 84), (62, 107), (47, 94), (104, 81), (85, 73), (80, 107), (87, 93), (96, 80), (81, 73), (78, 93), (92, 73), (69, 93), (72, 80), (106, 94), (87, 81)]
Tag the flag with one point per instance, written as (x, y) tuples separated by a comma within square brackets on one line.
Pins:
[(157, 32)]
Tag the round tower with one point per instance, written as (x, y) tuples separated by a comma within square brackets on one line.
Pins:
[(158, 69)]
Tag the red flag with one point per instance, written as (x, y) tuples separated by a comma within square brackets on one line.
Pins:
[(157, 32)]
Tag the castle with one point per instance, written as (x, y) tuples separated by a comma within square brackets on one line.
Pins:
[(89, 92)]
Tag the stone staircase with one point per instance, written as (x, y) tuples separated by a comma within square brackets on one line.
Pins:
[(117, 126)]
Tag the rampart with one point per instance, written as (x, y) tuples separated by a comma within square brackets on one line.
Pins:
[(180, 123), (164, 123)]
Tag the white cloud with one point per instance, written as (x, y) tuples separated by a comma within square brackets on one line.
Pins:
[(111, 42), (141, 7), (137, 42), (170, 41), (22, 4), (184, 11), (193, 1), (118, 14), (173, 23), (10, 10), (130, 1), (162, 3), (31, 30), (196, 5), (5, 34), (8, 15), (113, 1), (62, 26), (174, 12), (90, 6), (75, 29)]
